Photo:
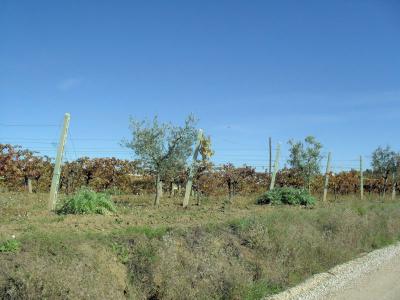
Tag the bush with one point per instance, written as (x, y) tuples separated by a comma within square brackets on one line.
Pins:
[(287, 195), (10, 246), (86, 201)]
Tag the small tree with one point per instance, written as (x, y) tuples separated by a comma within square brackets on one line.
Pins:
[(384, 162), (162, 148), (305, 158)]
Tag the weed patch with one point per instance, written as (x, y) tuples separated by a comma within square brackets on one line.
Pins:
[(86, 201), (287, 195), (11, 245)]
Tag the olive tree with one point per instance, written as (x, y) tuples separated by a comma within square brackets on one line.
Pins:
[(163, 148), (305, 157), (384, 161)]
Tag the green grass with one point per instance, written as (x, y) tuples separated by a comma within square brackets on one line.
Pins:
[(11, 245), (121, 251), (156, 232), (259, 289)]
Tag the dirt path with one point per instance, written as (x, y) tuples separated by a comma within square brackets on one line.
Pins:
[(381, 283), (372, 276)]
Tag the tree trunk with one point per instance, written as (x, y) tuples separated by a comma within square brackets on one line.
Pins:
[(230, 189), (172, 190), (309, 185), (385, 183), (158, 190), (26, 183)]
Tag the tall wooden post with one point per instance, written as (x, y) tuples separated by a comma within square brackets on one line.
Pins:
[(57, 166), (394, 185), (361, 179), (328, 169), (276, 166), (396, 177), (192, 170), (29, 186), (270, 155)]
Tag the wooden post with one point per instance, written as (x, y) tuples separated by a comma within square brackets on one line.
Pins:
[(361, 179), (192, 170), (328, 169), (57, 166), (29, 186), (394, 185), (270, 156), (396, 178), (276, 166)]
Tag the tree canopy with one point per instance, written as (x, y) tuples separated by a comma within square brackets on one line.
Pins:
[(384, 161), (305, 157), (163, 148)]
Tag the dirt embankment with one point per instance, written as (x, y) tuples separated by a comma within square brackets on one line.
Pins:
[(236, 250)]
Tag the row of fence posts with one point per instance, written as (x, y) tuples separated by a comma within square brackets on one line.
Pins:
[(327, 174), (60, 152), (63, 137)]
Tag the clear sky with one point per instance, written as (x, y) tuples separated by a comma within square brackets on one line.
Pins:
[(247, 69)]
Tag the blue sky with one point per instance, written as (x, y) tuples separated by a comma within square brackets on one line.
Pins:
[(247, 69)]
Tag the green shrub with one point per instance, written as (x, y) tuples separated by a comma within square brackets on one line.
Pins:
[(10, 246), (86, 201), (287, 195)]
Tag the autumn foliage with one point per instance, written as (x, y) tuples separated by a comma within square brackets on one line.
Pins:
[(17, 165)]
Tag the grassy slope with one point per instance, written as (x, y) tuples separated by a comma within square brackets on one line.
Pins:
[(217, 250)]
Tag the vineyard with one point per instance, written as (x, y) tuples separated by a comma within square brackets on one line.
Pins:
[(19, 166)]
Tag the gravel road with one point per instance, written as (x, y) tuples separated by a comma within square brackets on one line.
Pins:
[(375, 275)]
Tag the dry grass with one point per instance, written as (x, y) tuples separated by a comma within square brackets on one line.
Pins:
[(218, 250)]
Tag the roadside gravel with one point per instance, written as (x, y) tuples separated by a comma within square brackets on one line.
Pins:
[(375, 274)]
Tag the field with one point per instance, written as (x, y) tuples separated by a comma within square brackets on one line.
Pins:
[(218, 250)]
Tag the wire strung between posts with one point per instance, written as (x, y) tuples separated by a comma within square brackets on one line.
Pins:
[(221, 153), (72, 143), (28, 125)]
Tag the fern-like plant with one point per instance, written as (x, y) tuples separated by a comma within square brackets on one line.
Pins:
[(86, 201)]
